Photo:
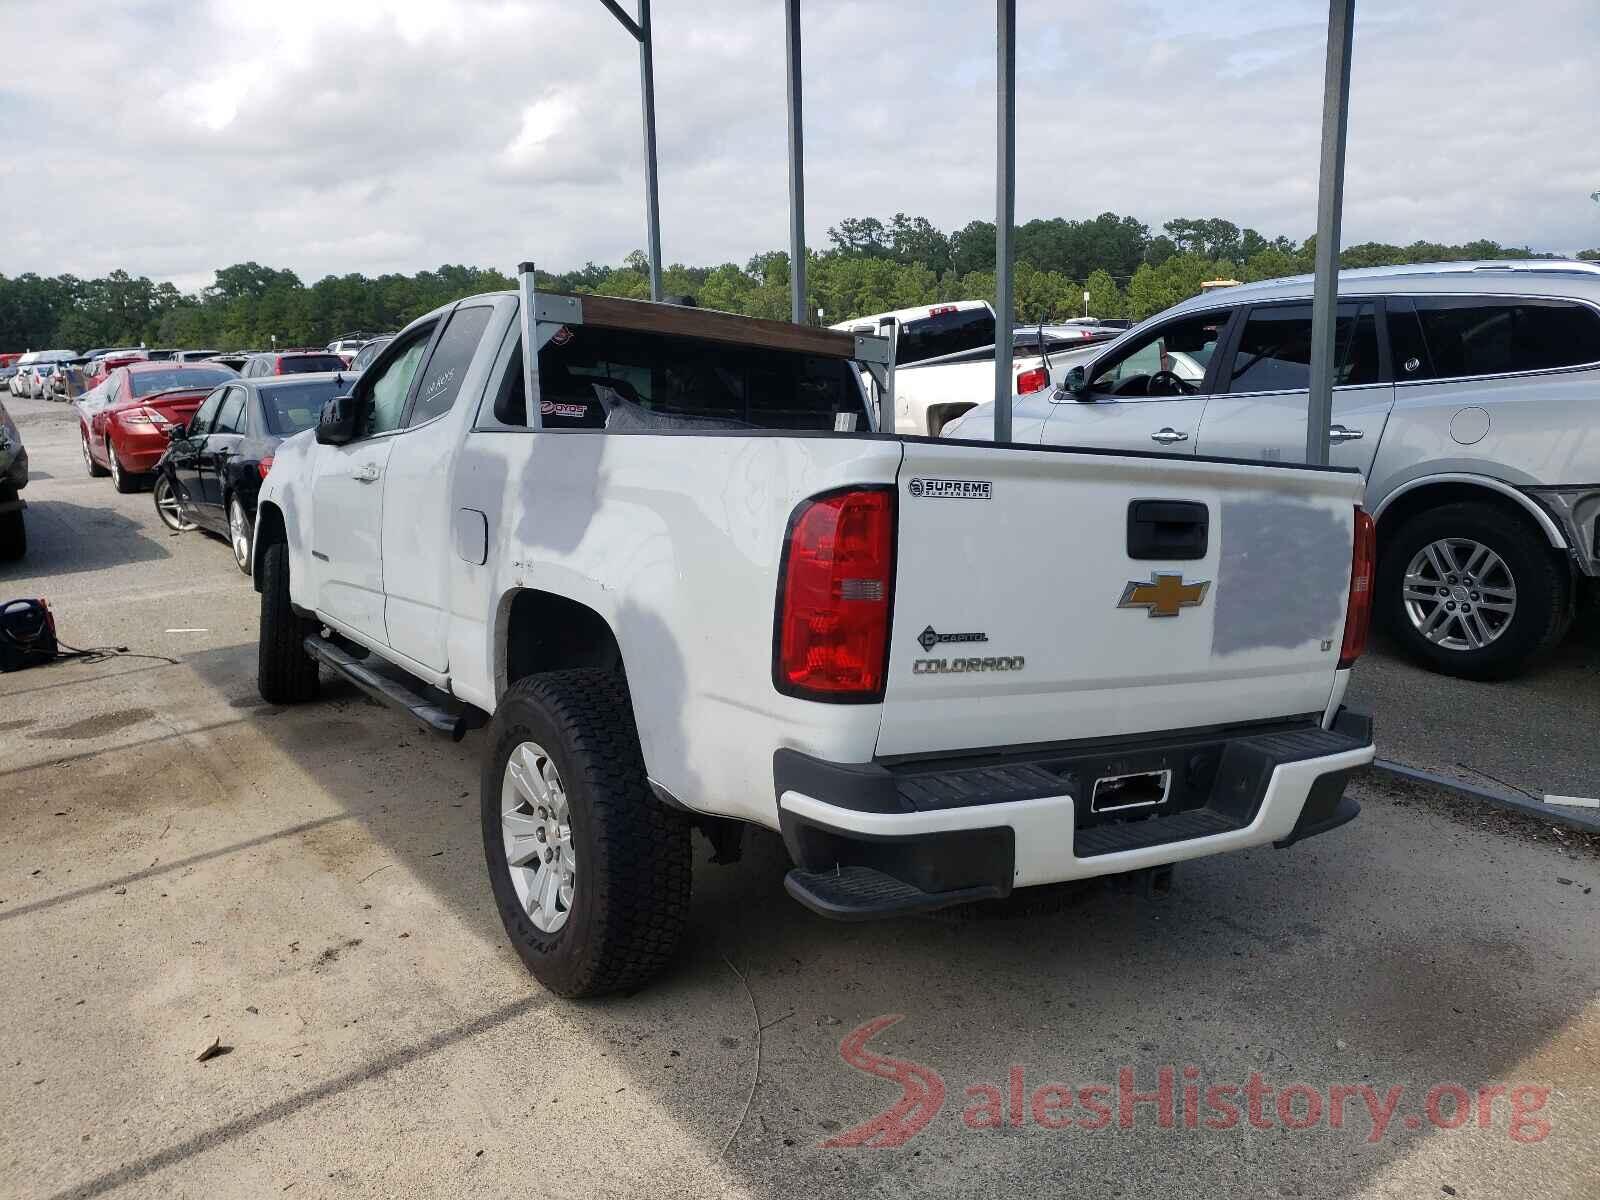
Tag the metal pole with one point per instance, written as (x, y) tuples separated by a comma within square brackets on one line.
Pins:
[(1330, 212), (652, 200), (1005, 186), (530, 345), (797, 178)]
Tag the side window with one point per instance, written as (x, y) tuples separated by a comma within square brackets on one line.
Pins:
[(441, 379), (1479, 335), (1171, 361), (1274, 352), (200, 423), (230, 418), (391, 384)]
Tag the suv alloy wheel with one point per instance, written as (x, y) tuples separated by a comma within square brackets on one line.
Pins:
[(1471, 590)]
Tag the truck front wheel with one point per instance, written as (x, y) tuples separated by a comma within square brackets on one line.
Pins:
[(589, 870), (285, 673)]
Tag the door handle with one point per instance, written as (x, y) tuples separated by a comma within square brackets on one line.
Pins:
[(366, 473), (1168, 435), (1341, 433)]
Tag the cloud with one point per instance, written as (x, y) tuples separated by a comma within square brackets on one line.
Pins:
[(378, 135)]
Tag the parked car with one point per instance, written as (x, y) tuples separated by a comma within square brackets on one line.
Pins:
[(194, 355), (781, 617), (347, 345), (7, 374), (292, 362), (126, 431), (214, 466), (98, 369), (13, 478), (233, 360), (39, 376), (19, 380), (931, 393), (369, 351), (1466, 395), (165, 354)]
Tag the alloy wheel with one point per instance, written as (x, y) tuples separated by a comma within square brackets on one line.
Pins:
[(536, 822), (168, 509), (1459, 594), (239, 535), (116, 467)]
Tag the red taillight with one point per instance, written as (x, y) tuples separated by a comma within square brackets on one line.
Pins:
[(939, 310), (836, 585), (277, 366), (1036, 379), (264, 466), (1358, 612)]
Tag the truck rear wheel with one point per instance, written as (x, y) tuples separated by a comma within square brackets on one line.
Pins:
[(285, 673), (1473, 591), (589, 870)]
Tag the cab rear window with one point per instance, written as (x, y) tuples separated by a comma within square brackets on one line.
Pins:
[(627, 381)]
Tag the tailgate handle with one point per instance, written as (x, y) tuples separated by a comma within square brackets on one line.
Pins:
[(1172, 530)]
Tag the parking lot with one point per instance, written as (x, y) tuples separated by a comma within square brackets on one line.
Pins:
[(181, 863)]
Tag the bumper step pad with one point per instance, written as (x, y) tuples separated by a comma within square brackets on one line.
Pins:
[(865, 894)]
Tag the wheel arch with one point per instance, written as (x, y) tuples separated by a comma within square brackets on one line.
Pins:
[(540, 630), (270, 530), (1432, 491)]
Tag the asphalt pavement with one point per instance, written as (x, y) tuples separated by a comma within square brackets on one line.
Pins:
[(181, 864)]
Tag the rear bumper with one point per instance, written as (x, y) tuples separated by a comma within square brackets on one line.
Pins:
[(139, 452), (923, 835)]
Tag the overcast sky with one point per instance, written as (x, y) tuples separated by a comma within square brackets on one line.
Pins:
[(170, 138)]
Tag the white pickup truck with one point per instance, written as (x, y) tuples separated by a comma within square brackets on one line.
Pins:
[(689, 585)]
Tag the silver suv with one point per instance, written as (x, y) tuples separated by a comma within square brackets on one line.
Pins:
[(1468, 395)]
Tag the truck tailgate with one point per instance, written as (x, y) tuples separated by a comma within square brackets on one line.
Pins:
[(1024, 612)]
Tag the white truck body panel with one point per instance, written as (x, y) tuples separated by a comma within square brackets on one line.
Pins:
[(417, 544)]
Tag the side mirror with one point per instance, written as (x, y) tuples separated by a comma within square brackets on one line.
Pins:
[(1076, 385), (177, 433), (337, 424)]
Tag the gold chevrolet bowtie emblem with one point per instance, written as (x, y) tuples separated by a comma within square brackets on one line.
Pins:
[(1164, 595)]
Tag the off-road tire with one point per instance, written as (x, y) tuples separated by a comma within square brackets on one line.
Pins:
[(13, 533), (1543, 582), (631, 895), (285, 673)]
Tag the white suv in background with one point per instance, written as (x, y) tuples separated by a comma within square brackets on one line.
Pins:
[(1469, 396)]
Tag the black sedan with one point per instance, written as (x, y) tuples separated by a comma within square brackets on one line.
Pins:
[(213, 469)]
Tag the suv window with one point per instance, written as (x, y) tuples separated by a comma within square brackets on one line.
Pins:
[(1444, 337), (230, 418), (626, 381), (1179, 353), (391, 384), (441, 380), (1274, 353)]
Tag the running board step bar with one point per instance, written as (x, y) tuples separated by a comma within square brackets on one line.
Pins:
[(865, 894), (437, 712)]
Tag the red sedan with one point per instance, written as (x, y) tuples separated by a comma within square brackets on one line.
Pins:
[(127, 434)]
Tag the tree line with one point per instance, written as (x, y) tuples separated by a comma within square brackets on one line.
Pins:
[(869, 266)]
